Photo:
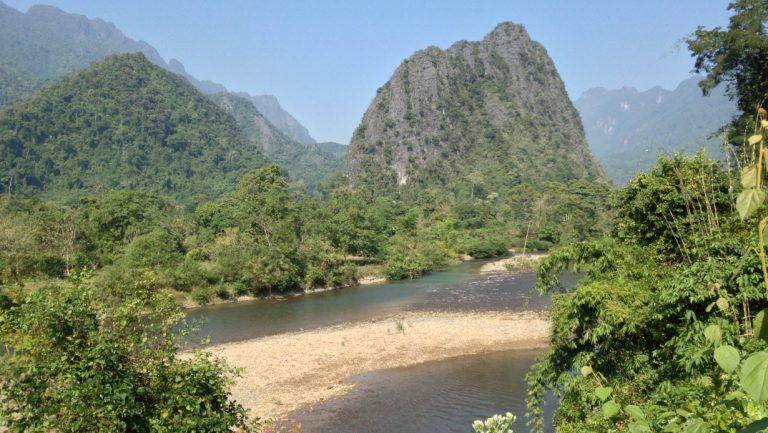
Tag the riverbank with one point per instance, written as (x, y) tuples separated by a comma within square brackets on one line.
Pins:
[(520, 263), (285, 372)]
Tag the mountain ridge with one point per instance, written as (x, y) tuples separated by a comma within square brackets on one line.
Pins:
[(46, 43), (627, 128), (475, 106), (122, 123)]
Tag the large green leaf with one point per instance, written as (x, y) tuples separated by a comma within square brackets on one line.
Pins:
[(748, 201), (722, 303), (755, 139), (756, 426), (634, 411), (603, 392), (749, 177), (610, 409), (640, 426), (697, 425), (586, 370), (713, 334), (727, 358), (760, 325), (754, 376)]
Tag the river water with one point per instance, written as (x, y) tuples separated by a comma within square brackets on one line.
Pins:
[(461, 288), (441, 396)]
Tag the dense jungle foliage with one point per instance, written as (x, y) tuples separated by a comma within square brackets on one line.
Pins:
[(668, 331), (122, 123), (264, 237)]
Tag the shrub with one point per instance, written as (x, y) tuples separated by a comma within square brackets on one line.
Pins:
[(52, 266), (84, 361), (201, 295)]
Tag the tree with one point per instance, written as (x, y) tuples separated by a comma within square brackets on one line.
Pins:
[(736, 56), (80, 360)]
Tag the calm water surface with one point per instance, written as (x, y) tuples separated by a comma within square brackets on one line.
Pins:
[(441, 396), (459, 289)]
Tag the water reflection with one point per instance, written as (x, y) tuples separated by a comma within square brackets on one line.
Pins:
[(459, 289), (442, 396)]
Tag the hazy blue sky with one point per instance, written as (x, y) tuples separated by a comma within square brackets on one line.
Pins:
[(324, 60)]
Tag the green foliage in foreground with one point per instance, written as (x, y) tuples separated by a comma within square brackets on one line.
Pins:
[(495, 424), (663, 315), (80, 360)]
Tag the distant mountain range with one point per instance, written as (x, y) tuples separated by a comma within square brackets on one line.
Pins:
[(492, 112), (46, 43), (121, 123), (310, 163), (626, 129)]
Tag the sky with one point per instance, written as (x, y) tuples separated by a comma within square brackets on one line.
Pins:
[(325, 59)]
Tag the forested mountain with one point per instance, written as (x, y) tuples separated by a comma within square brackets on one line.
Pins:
[(309, 163), (493, 112), (14, 84), (46, 43), (627, 129), (269, 106), (121, 123)]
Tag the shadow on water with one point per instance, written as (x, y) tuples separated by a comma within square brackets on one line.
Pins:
[(440, 396)]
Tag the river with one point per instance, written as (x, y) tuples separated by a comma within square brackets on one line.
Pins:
[(444, 396)]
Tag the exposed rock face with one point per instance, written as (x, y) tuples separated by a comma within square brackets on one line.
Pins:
[(627, 129), (271, 109), (495, 109), (311, 164)]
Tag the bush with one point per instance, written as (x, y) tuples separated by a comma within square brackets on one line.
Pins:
[(201, 295), (158, 247), (185, 276), (52, 266), (486, 248), (82, 361)]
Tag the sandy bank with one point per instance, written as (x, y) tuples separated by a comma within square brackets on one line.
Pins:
[(500, 266), (284, 372), (372, 279)]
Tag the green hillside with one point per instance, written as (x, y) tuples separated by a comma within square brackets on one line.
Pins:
[(122, 123), (310, 164)]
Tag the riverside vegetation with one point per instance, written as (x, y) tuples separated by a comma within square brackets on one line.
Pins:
[(94, 254), (667, 331)]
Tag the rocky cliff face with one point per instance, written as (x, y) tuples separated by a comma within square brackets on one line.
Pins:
[(310, 164), (269, 106), (494, 110), (627, 129)]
